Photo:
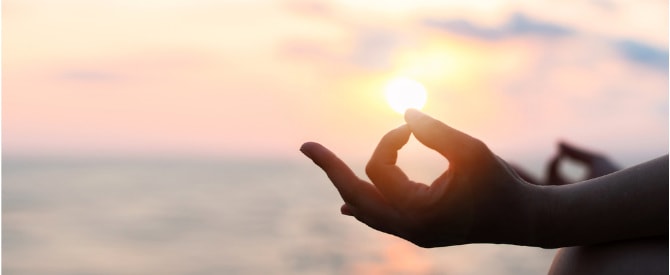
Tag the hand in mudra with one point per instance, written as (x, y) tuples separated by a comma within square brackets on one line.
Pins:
[(478, 199), (595, 164)]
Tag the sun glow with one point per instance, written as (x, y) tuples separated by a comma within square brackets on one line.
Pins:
[(404, 93)]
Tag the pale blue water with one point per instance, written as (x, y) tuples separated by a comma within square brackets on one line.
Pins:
[(209, 217)]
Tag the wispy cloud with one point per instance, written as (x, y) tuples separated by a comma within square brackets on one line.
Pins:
[(374, 48), (643, 54), (518, 25), (90, 76)]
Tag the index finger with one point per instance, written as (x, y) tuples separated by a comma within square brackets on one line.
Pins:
[(344, 179), (370, 206)]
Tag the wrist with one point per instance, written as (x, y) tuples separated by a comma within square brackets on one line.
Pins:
[(533, 204), (519, 219), (543, 216)]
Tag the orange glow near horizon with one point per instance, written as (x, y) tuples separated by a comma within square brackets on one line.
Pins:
[(397, 257)]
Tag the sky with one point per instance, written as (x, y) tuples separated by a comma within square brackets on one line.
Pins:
[(256, 79)]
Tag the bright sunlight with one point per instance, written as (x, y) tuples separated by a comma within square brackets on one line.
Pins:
[(403, 93)]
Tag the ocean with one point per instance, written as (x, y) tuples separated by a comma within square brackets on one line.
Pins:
[(209, 216)]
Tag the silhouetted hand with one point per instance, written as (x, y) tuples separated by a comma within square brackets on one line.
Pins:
[(478, 199), (596, 164)]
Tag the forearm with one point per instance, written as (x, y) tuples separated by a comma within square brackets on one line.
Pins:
[(631, 203)]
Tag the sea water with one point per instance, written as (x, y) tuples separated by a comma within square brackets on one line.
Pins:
[(209, 216)]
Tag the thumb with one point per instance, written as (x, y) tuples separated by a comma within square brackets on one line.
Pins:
[(434, 134)]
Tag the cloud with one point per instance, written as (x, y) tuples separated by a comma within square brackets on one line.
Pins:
[(89, 76), (305, 49), (518, 25), (313, 9), (643, 54), (373, 48), (605, 4), (370, 48)]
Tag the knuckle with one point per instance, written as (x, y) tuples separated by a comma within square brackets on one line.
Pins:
[(478, 145), (478, 151)]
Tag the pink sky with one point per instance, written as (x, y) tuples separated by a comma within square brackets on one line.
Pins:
[(258, 78)]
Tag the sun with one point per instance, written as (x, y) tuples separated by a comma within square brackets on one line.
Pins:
[(403, 93)]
